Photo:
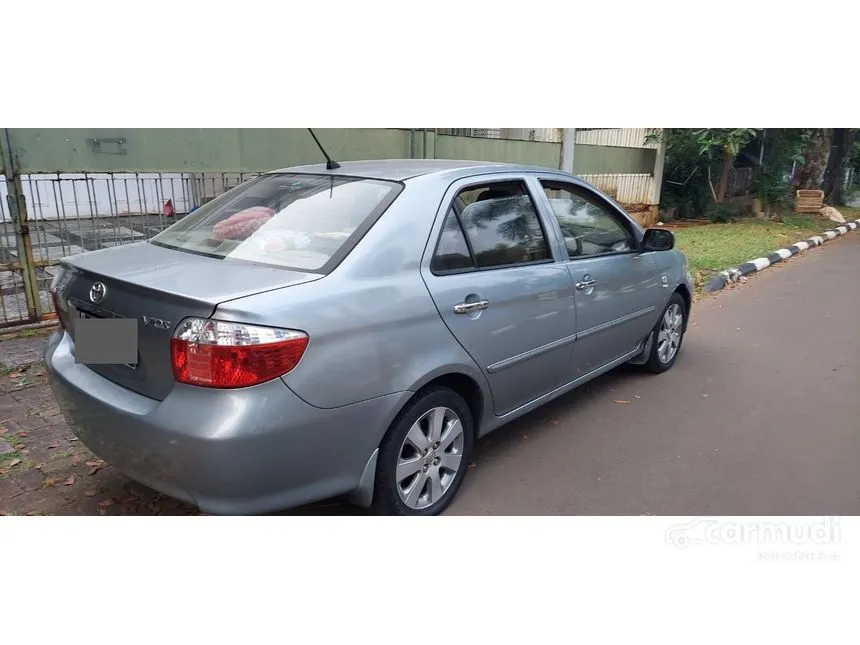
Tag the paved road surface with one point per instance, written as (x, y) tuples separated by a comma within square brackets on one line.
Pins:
[(759, 416)]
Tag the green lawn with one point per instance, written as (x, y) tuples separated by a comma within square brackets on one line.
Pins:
[(715, 247)]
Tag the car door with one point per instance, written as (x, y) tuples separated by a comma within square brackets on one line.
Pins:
[(617, 288), (504, 295)]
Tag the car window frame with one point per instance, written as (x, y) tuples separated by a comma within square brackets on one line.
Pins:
[(615, 211), (470, 183)]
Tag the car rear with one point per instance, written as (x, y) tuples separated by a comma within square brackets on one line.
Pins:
[(201, 414)]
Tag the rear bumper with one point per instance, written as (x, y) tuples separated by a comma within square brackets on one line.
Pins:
[(247, 451)]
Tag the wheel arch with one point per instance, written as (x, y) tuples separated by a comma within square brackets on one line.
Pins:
[(688, 301), (463, 384)]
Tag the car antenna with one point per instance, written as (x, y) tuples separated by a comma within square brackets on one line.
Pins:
[(330, 164)]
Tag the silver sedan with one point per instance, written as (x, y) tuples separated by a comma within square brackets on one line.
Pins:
[(316, 333)]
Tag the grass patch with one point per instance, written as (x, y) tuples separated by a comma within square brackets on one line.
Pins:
[(23, 461), (716, 247), (848, 213)]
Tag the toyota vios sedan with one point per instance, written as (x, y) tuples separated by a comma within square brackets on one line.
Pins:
[(321, 333)]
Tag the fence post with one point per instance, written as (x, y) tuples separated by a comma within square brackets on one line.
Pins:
[(430, 144), (18, 211), (659, 163), (568, 143)]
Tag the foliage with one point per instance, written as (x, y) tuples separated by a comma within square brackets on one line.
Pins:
[(691, 153), (704, 142), (723, 141), (693, 158), (782, 148), (725, 212)]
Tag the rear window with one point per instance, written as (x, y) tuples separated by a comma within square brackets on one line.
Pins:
[(303, 222)]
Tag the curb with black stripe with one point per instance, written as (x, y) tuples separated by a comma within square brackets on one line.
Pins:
[(727, 277)]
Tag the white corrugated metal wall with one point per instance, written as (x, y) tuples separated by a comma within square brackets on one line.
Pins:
[(621, 137), (624, 188)]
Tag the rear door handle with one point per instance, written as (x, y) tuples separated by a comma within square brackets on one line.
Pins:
[(585, 284), (469, 307)]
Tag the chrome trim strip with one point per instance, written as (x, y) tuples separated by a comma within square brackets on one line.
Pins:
[(613, 323), (528, 407), (532, 353)]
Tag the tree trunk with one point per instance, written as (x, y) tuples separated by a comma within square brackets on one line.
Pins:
[(837, 148), (841, 157), (816, 152), (723, 186)]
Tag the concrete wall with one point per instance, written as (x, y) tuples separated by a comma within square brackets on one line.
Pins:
[(256, 150)]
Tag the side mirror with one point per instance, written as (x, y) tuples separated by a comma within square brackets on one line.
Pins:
[(658, 239)]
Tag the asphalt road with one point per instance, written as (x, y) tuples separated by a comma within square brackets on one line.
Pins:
[(759, 416)]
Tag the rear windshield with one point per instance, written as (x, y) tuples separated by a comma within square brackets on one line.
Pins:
[(304, 222)]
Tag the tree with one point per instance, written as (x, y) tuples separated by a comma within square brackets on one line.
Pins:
[(782, 148), (726, 144), (838, 162), (816, 151), (720, 144)]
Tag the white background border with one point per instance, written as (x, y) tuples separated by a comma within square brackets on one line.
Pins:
[(362, 64)]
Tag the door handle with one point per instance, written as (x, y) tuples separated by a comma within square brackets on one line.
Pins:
[(585, 284), (469, 307)]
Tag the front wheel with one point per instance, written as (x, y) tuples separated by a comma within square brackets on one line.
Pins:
[(424, 456), (668, 334)]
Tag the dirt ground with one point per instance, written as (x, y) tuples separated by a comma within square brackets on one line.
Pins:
[(44, 469)]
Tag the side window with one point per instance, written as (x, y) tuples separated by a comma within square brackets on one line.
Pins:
[(502, 225), (589, 228), (452, 253)]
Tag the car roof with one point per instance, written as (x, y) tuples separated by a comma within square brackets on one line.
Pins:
[(403, 169)]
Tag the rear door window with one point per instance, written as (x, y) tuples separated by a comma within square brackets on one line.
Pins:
[(303, 222), (502, 225)]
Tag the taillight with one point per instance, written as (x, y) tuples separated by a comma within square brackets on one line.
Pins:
[(57, 302), (220, 354)]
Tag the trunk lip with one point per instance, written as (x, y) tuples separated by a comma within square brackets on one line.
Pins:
[(80, 268)]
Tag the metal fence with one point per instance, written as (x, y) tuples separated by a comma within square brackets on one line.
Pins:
[(548, 135), (74, 213)]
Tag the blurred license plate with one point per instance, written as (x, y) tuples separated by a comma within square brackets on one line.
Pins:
[(106, 341)]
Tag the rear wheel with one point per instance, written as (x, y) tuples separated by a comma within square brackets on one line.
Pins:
[(668, 335), (424, 456)]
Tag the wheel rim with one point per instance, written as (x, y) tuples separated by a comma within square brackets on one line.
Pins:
[(429, 459), (669, 336)]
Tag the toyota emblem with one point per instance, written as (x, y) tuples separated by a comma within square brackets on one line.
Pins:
[(97, 292)]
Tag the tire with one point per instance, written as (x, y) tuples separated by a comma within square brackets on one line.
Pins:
[(658, 362), (417, 473)]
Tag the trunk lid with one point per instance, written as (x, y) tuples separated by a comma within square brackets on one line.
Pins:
[(159, 287)]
